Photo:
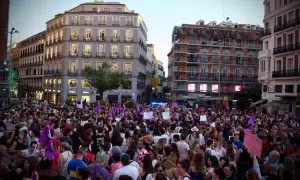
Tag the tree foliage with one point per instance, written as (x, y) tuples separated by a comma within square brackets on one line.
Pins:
[(243, 97), (103, 79)]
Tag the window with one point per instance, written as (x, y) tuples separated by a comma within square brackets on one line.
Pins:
[(227, 42), (226, 59), (290, 64), (88, 34), (267, 7), (215, 88), (89, 20), (87, 49), (265, 88), (278, 65), (61, 35), (238, 43), (203, 41), (87, 64), (55, 51), (72, 66), (215, 42), (47, 54), (250, 44), (100, 49), (73, 49), (99, 65), (193, 39), (238, 59), (225, 71), (128, 51), (85, 83), (128, 35), (75, 33), (262, 66), (114, 66), (48, 40), (115, 35), (203, 58), (215, 59), (116, 20), (52, 38), (238, 72), (59, 83), (127, 68), (56, 36), (102, 20), (129, 21), (191, 87), (75, 20), (114, 50), (289, 88), (203, 87), (72, 83), (278, 88), (298, 88), (250, 72), (101, 35), (51, 52)]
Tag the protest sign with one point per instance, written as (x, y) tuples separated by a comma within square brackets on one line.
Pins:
[(166, 115), (253, 143), (148, 115), (203, 118)]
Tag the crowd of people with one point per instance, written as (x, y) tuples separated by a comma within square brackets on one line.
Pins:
[(105, 141)]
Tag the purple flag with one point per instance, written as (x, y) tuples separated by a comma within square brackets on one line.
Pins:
[(137, 109), (46, 141), (98, 107), (251, 121)]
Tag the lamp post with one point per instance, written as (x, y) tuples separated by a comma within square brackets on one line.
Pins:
[(11, 32)]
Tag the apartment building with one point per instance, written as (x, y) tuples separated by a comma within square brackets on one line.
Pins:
[(89, 35), (210, 62), (279, 66), (29, 66)]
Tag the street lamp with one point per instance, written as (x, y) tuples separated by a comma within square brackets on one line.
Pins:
[(11, 32)]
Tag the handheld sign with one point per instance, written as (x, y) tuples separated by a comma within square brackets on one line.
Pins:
[(253, 143), (203, 118), (165, 115), (148, 115)]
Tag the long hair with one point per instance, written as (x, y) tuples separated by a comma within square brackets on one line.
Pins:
[(199, 162), (147, 164)]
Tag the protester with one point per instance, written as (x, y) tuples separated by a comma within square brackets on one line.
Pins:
[(114, 141)]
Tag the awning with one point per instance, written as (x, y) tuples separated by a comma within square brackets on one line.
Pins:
[(262, 101)]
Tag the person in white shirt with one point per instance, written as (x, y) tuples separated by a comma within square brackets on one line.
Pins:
[(32, 150), (133, 163), (183, 147), (210, 146), (126, 169)]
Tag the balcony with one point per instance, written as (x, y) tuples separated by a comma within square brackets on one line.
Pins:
[(128, 56), (285, 25), (114, 55), (74, 38), (52, 72), (72, 71), (100, 54), (88, 38), (286, 48), (286, 73), (265, 53), (102, 23), (266, 32), (73, 54), (115, 39), (87, 54), (128, 40), (101, 38)]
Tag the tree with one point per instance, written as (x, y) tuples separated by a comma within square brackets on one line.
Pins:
[(252, 93), (103, 79), (166, 89)]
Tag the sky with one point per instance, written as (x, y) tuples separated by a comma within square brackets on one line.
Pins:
[(30, 16)]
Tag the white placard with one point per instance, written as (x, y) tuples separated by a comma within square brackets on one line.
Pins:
[(203, 118), (148, 115), (213, 125), (165, 115), (83, 123), (118, 119), (167, 109)]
